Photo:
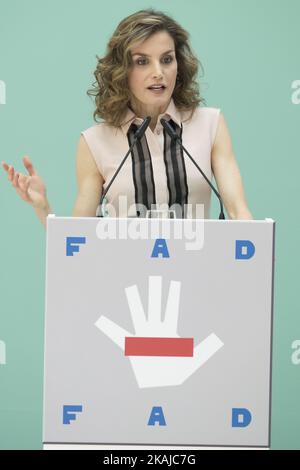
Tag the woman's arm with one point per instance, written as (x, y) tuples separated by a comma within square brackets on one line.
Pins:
[(89, 182), (227, 174)]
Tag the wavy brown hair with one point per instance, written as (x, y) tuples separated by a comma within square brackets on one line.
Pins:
[(111, 90)]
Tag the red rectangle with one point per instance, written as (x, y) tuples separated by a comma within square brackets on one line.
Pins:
[(138, 346)]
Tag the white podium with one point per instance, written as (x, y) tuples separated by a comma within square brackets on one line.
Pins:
[(158, 332)]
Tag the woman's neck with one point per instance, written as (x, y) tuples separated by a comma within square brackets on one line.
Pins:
[(144, 111)]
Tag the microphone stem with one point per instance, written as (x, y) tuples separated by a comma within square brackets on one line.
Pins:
[(221, 216), (117, 172)]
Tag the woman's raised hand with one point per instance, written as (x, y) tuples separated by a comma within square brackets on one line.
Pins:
[(31, 187)]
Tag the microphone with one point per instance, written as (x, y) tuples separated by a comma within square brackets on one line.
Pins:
[(137, 136), (170, 131)]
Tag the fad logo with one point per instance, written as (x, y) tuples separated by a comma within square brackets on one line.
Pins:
[(295, 97), (2, 353), (158, 355), (2, 92)]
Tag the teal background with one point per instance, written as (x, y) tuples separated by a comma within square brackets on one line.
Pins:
[(250, 53)]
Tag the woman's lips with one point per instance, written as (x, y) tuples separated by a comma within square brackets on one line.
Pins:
[(157, 91)]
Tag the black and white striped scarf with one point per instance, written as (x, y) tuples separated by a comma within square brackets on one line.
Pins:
[(142, 172)]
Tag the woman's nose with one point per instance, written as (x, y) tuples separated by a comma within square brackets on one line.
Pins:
[(157, 71)]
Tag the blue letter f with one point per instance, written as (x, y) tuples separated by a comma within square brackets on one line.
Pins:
[(72, 244), (69, 413)]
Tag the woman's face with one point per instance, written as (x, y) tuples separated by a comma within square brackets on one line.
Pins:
[(154, 63)]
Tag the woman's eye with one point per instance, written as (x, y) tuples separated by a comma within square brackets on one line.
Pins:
[(166, 60), (140, 61)]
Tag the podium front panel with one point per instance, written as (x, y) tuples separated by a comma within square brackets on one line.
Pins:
[(155, 339)]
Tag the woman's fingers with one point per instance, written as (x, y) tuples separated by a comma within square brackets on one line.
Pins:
[(24, 195), (22, 182), (15, 180), (11, 173), (9, 170), (29, 166), (5, 166), (19, 180), (30, 187)]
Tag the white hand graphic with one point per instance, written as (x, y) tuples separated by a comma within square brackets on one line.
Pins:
[(158, 371)]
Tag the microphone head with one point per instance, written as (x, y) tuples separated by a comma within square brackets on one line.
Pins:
[(169, 129), (143, 127)]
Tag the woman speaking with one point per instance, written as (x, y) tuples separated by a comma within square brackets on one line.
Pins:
[(149, 70)]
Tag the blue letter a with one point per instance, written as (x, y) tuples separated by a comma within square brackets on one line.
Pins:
[(157, 416), (160, 248)]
